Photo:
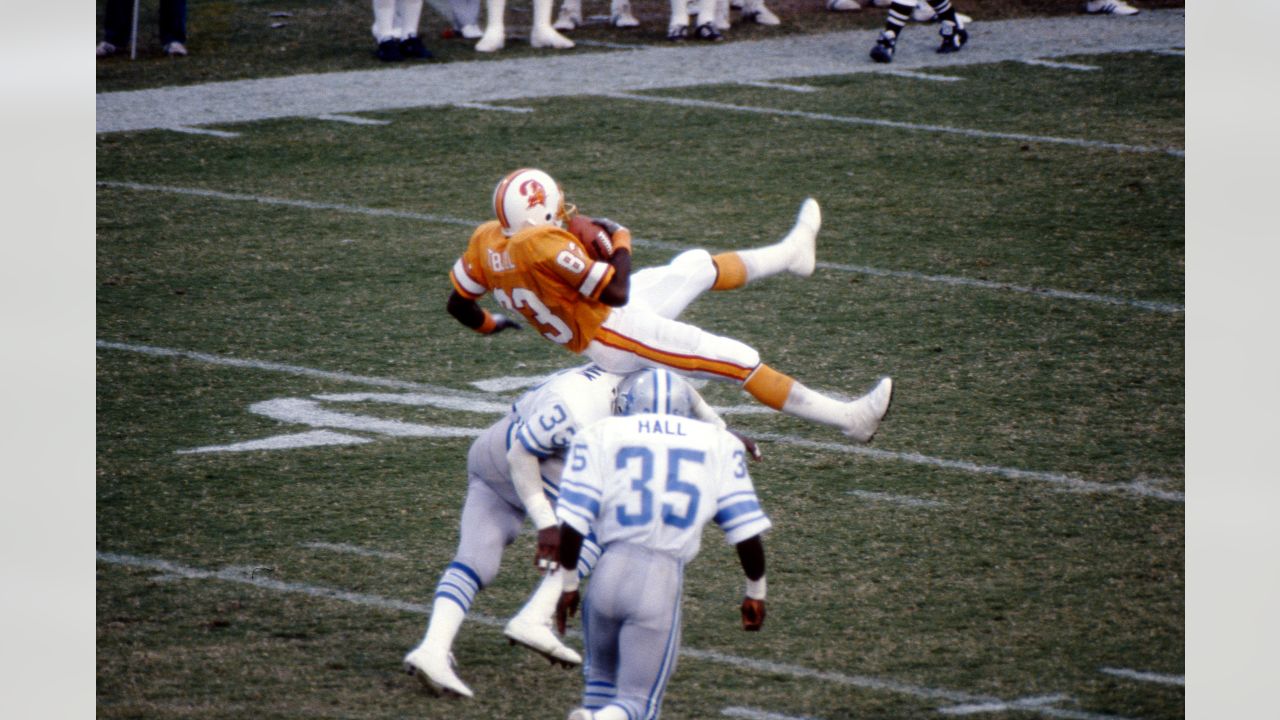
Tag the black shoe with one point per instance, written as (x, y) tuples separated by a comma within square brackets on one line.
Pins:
[(389, 51), (953, 38), (707, 31), (882, 52), (412, 47)]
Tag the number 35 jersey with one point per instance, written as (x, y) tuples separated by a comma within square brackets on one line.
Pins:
[(543, 273), (656, 480)]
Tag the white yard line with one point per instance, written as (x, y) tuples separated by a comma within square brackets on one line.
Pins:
[(352, 119), (475, 401), (895, 124), (493, 108), (1061, 65), (352, 550), (201, 131), (1169, 308), (1146, 676), (1141, 488), (914, 75), (757, 714), (905, 500), (244, 576), (787, 87)]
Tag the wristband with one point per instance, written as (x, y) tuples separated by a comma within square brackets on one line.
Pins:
[(542, 515), (489, 325), (756, 588), (568, 579), (621, 240)]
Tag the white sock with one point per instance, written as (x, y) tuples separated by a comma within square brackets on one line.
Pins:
[(408, 15), (446, 619), (812, 405), (384, 20), (541, 605), (679, 12)]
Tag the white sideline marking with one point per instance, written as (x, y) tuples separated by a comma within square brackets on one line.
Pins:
[(352, 550), (202, 131), (912, 74), (305, 204), (444, 402), (674, 247), (755, 714), (1040, 703), (854, 120), (1060, 65), (351, 119), (1146, 676), (496, 108), (309, 412), (1169, 308), (895, 499), (246, 576), (1137, 487), (770, 85), (295, 441)]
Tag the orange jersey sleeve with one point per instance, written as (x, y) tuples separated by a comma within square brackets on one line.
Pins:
[(468, 275)]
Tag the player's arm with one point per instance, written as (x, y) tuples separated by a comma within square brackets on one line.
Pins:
[(751, 555), (526, 476), (570, 548), (469, 313), (615, 294)]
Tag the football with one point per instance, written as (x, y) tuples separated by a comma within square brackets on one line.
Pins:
[(594, 236)]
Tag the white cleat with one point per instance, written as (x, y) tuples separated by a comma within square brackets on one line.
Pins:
[(538, 637), (471, 32), (567, 21), (435, 672), (843, 5), (581, 714), (1109, 7), (866, 412), (760, 15), (804, 238), (620, 15), (494, 38), (547, 37)]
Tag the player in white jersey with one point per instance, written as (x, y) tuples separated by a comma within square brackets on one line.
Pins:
[(645, 483), (513, 470)]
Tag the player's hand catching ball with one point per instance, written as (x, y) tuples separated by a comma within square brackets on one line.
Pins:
[(752, 614)]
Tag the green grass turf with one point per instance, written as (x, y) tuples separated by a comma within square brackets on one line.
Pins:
[(1007, 588)]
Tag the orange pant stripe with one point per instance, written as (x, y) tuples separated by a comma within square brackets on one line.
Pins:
[(686, 363)]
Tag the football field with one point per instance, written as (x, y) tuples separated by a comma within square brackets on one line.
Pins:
[(284, 407)]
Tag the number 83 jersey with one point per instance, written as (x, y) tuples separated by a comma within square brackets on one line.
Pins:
[(655, 481), (544, 274)]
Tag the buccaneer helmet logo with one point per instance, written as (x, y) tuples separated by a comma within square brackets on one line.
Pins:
[(534, 190)]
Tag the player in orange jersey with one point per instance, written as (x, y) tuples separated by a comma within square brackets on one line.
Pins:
[(626, 322)]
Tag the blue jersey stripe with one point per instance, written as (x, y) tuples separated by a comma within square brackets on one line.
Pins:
[(727, 514), (571, 498)]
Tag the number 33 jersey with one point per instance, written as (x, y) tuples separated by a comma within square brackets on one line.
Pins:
[(656, 480), (543, 273)]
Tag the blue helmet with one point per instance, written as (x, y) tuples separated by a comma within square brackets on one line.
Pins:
[(654, 390)]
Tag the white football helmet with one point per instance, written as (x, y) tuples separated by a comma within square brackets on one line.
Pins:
[(654, 390), (528, 198)]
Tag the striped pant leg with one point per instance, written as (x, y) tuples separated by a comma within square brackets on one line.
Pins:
[(633, 338)]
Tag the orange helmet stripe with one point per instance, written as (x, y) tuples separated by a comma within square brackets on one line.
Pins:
[(500, 193)]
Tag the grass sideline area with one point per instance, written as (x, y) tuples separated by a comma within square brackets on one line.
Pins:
[(235, 40), (1012, 542)]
